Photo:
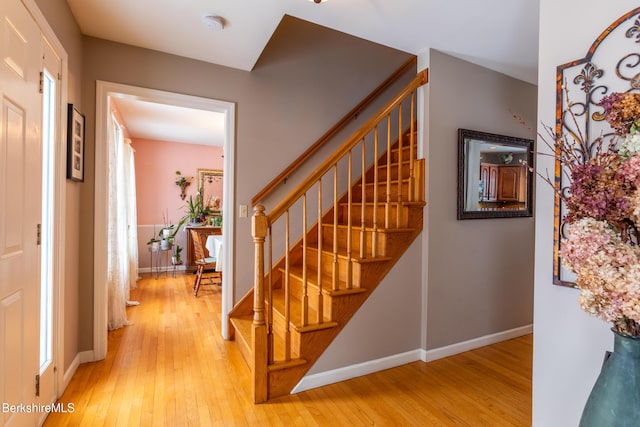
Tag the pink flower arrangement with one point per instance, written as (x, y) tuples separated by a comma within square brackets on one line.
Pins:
[(603, 208)]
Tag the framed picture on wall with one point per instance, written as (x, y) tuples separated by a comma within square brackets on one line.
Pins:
[(75, 144)]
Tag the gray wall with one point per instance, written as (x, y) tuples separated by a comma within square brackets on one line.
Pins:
[(569, 344), (480, 272), (307, 78)]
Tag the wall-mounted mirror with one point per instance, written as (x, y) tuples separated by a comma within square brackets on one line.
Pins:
[(210, 184), (494, 180)]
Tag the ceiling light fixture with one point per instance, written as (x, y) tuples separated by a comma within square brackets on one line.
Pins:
[(318, 1), (213, 22)]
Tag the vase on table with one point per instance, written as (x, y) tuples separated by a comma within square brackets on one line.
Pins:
[(615, 398)]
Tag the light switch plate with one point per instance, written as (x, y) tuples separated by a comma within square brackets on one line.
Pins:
[(244, 211)]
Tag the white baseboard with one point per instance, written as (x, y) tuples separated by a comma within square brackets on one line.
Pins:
[(461, 347), (87, 356), (82, 357), (68, 374), (357, 370), (365, 368), (168, 269)]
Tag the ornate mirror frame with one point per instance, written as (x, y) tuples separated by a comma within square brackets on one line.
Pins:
[(482, 155), (207, 177), (612, 64)]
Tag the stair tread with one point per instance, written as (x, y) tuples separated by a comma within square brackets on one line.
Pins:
[(285, 364), (384, 182), (367, 228), (295, 309), (243, 329), (381, 204), (327, 279), (342, 254), (394, 163)]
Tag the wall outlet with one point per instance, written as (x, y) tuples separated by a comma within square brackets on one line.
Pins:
[(243, 211)]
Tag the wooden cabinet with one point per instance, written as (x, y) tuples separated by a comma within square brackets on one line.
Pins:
[(489, 180), (512, 183), (203, 232)]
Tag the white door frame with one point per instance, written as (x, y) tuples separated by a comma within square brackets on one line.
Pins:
[(103, 91), (60, 183)]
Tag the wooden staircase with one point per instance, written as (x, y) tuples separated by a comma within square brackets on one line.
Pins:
[(327, 269)]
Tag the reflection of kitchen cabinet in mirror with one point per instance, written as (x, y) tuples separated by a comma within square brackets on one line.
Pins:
[(493, 177)]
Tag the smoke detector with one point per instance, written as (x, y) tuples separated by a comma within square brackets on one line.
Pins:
[(213, 22)]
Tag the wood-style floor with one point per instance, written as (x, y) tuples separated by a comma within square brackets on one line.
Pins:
[(171, 368)]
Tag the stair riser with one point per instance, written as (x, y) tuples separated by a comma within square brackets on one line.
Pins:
[(298, 339), (343, 266), (244, 345), (395, 152), (382, 172), (397, 217), (296, 288), (356, 240), (382, 192), (279, 330)]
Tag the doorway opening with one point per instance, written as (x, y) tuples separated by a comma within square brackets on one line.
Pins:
[(105, 91)]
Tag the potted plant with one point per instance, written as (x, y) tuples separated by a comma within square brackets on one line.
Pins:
[(183, 182), (169, 231), (195, 209), (176, 259), (154, 244)]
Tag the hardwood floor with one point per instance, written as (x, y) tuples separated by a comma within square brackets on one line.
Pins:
[(171, 368)]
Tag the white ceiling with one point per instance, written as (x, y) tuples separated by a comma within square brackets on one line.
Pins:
[(161, 122), (498, 34)]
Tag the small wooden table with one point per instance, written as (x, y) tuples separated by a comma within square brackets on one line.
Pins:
[(203, 232)]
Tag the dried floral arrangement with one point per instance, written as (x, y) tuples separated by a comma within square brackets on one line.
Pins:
[(602, 212)]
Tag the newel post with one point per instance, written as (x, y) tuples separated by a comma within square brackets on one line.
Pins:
[(259, 229)]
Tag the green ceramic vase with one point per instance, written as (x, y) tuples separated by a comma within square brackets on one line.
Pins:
[(615, 398)]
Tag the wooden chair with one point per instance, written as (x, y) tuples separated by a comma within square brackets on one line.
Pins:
[(203, 263)]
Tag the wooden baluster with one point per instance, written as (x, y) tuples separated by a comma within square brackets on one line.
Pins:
[(336, 266), (399, 210), (412, 153), (374, 234), (363, 208), (259, 226), (270, 335), (320, 298), (349, 219), (387, 206), (305, 295), (287, 306)]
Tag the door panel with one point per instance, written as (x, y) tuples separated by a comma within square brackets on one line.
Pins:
[(12, 332), (12, 164)]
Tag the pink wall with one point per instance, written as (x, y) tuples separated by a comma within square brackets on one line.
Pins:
[(156, 165)]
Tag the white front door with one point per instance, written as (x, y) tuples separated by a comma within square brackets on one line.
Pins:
[(20, 210)]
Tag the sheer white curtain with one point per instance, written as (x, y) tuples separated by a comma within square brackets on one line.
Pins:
[(122, 252), (132, 215)]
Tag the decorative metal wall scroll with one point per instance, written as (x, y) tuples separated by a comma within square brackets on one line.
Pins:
[(612, 64)]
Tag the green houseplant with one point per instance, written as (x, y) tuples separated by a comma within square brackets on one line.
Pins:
[(195, 209), (176, 259), (183, 182), (169, 231)]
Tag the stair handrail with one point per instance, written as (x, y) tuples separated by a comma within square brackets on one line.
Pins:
[(262, 326), (420, 79), (271, 186)]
